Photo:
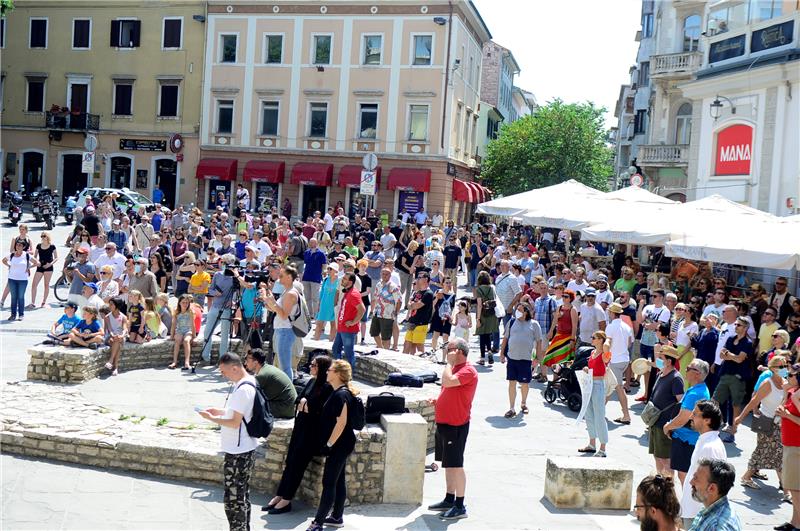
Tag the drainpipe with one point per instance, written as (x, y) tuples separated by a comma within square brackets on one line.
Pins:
[(447, 70)]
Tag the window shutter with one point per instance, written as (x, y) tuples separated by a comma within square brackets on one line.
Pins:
[(136, 32), (115, 28)]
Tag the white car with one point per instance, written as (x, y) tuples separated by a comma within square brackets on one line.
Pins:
[(127, 198)]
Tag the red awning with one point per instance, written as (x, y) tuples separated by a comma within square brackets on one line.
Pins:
[(487, 194), (415, 179), (222, 169), (316, 174), (465, 191), (350, 176), (264, 171)]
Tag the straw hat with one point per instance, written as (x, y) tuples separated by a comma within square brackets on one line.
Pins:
[(668, 350), (640, 366)]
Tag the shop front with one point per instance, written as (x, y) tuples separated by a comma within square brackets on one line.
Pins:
[(266, 179), (354, 201), (314, 182), (219, 176), (410, 186)]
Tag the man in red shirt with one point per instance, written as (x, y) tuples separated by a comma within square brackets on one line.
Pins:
[(350, 311), (459, 381)]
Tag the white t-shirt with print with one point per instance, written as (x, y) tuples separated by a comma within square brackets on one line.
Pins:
[(241, 400)]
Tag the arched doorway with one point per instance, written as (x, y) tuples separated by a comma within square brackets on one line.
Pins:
[(683, 124), (32, 170)]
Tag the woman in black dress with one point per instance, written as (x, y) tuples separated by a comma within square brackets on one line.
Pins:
[(304, 444), (47, 255)]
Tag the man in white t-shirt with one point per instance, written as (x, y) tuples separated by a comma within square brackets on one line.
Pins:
[(263, 250), (592, 317), (237, 445), (328, 220), (706, 420), (620, 335), (604, 295), (579, 282)]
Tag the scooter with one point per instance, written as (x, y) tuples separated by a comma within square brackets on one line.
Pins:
[(69, 209)]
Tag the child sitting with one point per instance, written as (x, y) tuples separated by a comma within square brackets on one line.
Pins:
[(163, 310), (116, 330), (152, 321), (136, 331), (199, 283), (61, 328), (182, 331), (88, 332)]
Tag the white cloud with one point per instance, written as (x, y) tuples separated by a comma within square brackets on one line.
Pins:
[(576, 50)]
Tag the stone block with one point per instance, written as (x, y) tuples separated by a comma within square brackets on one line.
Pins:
[(588, 483), (404, 472)]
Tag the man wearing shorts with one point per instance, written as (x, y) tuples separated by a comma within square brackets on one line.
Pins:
[(734, 373), (621, 337), (420, 309), (453, 407), (385, 305)]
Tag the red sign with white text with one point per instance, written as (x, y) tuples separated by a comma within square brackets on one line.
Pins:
[(734, 150)]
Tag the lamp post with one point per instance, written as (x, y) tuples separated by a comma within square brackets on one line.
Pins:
[(716, 106)]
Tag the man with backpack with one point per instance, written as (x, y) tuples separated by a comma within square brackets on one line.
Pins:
[(238, 444)]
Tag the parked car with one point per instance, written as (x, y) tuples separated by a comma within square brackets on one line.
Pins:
[(127, 198)]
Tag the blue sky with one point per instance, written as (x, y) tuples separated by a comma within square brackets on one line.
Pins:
[(576, 50)]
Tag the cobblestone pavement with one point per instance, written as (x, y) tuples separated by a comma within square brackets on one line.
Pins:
[(505, 463)]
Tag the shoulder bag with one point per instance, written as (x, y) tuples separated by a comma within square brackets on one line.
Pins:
[(763, 424)]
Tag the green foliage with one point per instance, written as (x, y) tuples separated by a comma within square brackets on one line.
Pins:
[(6, 7), (124, 417), (560, 141), (162, 421)]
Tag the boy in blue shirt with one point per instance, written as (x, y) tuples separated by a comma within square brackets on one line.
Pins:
[(61, 328), (88, 332)]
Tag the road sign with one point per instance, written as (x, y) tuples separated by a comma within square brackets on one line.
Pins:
[(367, 182), (636, 180), (90, 143), (87, 163), (370, 161)]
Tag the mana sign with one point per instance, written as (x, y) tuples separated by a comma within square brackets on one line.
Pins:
[(734, 150)]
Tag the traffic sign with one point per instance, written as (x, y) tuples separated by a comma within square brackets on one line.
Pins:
[(370, 161), (90, 143), (368, 179), (87, 162), (636, 180)]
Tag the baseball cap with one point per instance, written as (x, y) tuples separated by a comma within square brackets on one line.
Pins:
[(82, 250), (72, 305), (590, 292), (602, 278), (91, 285)]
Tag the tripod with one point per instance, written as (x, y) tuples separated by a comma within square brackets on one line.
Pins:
[(229, 304)]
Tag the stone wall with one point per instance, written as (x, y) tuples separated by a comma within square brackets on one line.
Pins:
[(55, 422)]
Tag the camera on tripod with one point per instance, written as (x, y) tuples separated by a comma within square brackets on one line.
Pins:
[(257, 277)]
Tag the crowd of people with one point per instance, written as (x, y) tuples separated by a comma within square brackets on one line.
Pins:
[(701, 349)]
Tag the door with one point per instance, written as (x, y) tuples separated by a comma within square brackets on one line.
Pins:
[(216, 187), (166, 177), (120, 172), (78, 104), (73, 180), (313, 199), (32, 169)]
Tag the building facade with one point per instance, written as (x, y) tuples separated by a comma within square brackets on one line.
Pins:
[(297, 93), (497, 92), (124, 72)]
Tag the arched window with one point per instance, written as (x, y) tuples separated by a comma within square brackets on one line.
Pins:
[(691, 33), (683, 124)]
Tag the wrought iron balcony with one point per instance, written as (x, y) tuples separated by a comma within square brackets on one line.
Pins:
[(675, 65), (68, 121), (664, 155)]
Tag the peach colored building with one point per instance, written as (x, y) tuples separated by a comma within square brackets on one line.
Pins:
[(296, 93)]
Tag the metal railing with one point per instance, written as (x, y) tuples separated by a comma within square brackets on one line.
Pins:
[(68, 121)]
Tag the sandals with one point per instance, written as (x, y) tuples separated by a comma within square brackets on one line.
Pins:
[(750, 484), (587, 450), (622, 421), (759, 475), (510, 414), (481, 362), (524, 409), (171, 366)]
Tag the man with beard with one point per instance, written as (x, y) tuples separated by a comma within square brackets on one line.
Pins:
[(710, 485), (657, 506)]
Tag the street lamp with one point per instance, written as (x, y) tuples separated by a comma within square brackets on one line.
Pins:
[(716, 106)]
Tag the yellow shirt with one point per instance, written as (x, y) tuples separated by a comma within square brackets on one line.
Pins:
[(197, 281), (765, 336)]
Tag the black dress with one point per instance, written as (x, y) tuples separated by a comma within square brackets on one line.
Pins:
[(45, 257)]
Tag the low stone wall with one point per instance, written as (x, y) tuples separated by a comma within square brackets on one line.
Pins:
[(588, 483), (56, 422), (77, 365)]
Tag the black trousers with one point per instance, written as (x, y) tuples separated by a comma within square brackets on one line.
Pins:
[(297, 459), (334, 487)]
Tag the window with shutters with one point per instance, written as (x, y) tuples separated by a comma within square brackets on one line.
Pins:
[(168, 100), (172, 33), (38, 33), (269, 118), (123, 98), (126, 33), (225, 116), (81, 34), (35, 95)]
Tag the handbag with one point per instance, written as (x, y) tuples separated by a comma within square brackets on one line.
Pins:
[(651, 414), (384, 403), (763, 424)]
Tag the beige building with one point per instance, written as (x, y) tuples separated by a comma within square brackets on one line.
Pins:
[(297, 93), (127, 72)]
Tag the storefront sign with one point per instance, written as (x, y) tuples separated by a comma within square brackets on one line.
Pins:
[(411, 201), (132, 144), (772, 37), (727, 49), (368, 182), (734, 150)]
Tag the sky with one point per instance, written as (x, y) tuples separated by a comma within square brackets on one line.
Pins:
[(576, 50)]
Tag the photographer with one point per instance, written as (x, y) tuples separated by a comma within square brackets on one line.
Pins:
[(80, 272), (221, 290), (251, 313)]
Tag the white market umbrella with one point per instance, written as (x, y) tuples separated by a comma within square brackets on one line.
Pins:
[(518, 203), (638, 195)]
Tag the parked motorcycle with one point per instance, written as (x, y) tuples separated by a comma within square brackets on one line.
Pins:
[(43, 199), (15, 207), (46, 213), (69, 209)]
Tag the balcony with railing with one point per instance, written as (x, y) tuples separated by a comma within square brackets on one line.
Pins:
[(675, 65), (65, 120), (664, 155)]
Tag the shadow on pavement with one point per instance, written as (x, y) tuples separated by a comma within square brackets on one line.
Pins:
[(552, 509), (503, 423)]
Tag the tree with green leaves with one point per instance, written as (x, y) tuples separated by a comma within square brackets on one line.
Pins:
[(560, 141), (6, 6)]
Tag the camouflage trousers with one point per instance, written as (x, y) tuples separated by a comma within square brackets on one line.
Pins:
[(237, 469)]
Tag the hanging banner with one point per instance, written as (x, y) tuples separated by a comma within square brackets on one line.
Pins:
[(734, 150)]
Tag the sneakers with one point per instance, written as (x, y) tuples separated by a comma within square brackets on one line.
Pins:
[(109, 366), (114, 372), (454, 513), (315, 526), (334, 522), (441, 506), (599, 453)]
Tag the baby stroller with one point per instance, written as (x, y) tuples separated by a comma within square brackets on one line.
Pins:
[(565, 385)]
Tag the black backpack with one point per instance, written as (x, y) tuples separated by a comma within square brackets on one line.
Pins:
[(357, 413), (261, 422)]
